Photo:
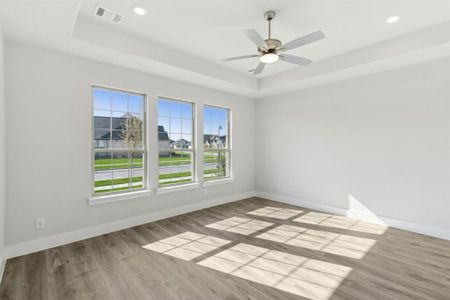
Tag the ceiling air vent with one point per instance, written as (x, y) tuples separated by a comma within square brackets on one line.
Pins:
[(100, 11), (107, 15)]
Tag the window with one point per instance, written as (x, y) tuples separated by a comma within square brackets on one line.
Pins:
[(176, 141), (216, 141), (119, 141)]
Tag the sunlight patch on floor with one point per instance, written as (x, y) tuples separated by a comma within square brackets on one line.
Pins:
[(340, 222), (187, 245), (275, 212), (329, 242), (294, 274), (240, 225)]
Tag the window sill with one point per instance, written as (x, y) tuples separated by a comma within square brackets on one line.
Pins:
[(96, 200), (218, 181), (177, 188)]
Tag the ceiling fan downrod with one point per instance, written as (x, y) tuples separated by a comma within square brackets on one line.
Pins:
[(269, 15)]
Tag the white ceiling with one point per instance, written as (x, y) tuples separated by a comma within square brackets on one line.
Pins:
[(186, 39), (212, 29)]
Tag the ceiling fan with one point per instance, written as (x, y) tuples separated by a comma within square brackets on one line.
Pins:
[(272, 50)]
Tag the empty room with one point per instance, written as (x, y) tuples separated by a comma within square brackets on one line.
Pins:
[(204, 149)]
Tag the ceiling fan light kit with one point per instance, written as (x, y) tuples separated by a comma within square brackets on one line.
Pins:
[(269, 58), (271, 50)]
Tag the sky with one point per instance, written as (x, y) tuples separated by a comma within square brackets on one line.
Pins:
[(175, 116), (115, 103)]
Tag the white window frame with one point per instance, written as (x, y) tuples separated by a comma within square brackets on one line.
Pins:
[(229, 177), (101, 197), (162, 189)]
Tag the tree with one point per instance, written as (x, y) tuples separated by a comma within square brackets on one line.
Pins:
[(132, 132), (132, 137), (221, 166)]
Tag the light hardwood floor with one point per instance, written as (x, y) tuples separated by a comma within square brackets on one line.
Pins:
[(251, 249)]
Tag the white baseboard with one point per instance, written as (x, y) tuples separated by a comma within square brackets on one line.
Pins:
[(439, 232), (73, 236)]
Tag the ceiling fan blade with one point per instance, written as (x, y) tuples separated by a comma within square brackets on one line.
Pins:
[(304, 40), (296, 60), (239, 57), (256, 38), (259, 68)]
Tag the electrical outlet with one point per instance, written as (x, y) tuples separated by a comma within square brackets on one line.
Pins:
[(278, 186), (205, 191), (40, 223)]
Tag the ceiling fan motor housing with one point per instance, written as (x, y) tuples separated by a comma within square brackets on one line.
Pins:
[(273, 46)]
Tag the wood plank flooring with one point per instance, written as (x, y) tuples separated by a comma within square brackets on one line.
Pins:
[(250, 249)]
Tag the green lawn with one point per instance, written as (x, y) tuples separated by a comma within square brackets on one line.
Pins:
[(117, 189), (175, 181), (116, 181), (180, 175), (116, 163), (122, 163), (177, 158), (217, 174), (185, 158)]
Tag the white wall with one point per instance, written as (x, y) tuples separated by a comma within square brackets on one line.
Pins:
[(49, 139), (382, 139), (2, 145)]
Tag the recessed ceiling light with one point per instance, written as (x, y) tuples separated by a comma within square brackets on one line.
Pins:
[(139, 10), (392, 19)]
